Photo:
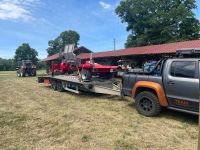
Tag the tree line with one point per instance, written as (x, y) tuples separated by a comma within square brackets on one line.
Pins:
[(7, 64), (26, 52)]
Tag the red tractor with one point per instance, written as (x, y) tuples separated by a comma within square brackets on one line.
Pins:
[(61, 67)]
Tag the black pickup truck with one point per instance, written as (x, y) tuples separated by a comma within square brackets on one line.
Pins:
[(174, 84)]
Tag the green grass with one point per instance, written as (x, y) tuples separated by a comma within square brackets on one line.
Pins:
[(32, 116), (39, 72), (7, 72)]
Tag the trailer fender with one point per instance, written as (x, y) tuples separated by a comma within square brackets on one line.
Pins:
[(152, 86)]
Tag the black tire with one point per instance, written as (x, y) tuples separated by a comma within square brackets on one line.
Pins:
[(60, 87), (33, 73), (54, 85), (147, 104), (86, 74)]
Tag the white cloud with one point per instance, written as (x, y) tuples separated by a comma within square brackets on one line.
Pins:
[(105, 5), (17, 9)]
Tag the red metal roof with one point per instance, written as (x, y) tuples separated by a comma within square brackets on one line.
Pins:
[(52, 57), (145, 50)]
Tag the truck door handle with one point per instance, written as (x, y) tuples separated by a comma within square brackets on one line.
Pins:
[(170, 83)]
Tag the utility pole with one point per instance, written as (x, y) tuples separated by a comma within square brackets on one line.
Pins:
[(114, 44)]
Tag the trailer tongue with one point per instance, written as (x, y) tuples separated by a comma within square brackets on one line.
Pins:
[(74, 84)]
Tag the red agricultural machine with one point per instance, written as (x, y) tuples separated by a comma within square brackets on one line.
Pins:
[(70, 64)]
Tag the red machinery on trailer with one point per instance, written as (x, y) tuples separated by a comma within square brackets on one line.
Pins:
[(69, 64), (75, 76)]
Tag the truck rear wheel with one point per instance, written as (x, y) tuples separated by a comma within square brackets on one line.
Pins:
[(54, 85), (147, 104)]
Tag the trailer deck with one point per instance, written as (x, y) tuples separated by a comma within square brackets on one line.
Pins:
[(73, 83)]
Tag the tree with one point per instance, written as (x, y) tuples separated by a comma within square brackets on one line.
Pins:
[(41, 65), (25, 52), (158, 21), (66, 37), (6, 64)]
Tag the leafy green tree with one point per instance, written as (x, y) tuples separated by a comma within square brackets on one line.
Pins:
[(158, 21), (41, 65), (25, 52), (66, 37)]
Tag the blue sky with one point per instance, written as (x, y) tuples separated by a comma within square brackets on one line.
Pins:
[(38, 21)]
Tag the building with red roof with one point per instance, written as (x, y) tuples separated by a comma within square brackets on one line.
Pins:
[(140, 53), (169, 48)]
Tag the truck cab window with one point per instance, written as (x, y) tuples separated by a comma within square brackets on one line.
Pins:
[(184, 69)]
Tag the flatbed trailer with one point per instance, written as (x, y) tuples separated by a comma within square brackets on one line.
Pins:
[(73, 84)]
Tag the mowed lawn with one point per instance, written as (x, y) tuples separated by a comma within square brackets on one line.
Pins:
[(32, 116)]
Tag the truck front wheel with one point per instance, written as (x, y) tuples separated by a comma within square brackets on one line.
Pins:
[(147, 104)]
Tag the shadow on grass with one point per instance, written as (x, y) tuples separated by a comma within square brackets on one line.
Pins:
[(27, 77), (175, 115), (103, 96), (179, 116), (92, 96)]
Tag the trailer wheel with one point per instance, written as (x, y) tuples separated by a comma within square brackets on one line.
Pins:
[(54, 85), (147, 104), (60, 87)]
